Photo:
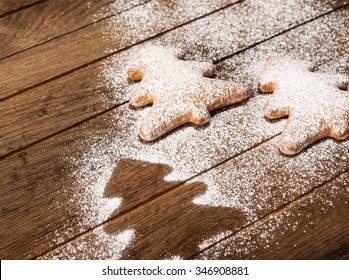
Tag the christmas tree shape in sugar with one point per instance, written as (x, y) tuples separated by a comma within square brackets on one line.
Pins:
[(179, 90), (317, 103)]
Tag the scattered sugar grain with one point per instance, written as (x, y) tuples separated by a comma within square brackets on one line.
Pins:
[(182, 149), (94, 245)]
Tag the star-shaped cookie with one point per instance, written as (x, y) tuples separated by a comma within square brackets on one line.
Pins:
[(178, 89), (317, 103)]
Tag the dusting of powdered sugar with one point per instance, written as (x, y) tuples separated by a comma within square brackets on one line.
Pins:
[(214, 239), (190, 150), (239, 26), (152, 18), (243, 67), (264, 179), (182, 149), (176, 257), (113, 8), (228, 133), (316, 105), (96, 244), (178, 89), (270, 236), (94, 205)]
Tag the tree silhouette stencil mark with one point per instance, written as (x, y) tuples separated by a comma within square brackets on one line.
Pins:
[(136, 181), (171, 224)]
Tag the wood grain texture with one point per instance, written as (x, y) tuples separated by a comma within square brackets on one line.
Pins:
[(56, 181), (7, 6), (88, 93), (50, 19), (316, 224), (177, 224), (172, 225), (57, 195), (97, 41), (47, 225)]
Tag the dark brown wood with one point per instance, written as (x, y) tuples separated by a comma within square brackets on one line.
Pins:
[(45, 111), (96, 41), (38, 183), (57, 195), (175, 223), (7, 6), (172, 225), (50, 19), (315, 226)]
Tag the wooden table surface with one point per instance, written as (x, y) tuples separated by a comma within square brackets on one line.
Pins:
[(78, 183)]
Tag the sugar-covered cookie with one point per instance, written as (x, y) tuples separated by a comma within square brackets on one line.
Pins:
[(317, 103), (178, 89)]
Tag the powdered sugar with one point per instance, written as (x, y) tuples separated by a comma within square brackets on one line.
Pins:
[(244, 66), (239, 26), (175, 258), (112, 8), (177, 89), (271, 236), (95, 207), (154, 17), (182, 149), (96, 244), (316, 106), (228, 133), (214, 239), (190, 150), (262, 178)]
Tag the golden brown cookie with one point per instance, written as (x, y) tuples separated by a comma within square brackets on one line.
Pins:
[(178, 89), (317, 103)]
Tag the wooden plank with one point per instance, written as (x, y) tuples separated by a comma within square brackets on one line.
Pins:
[(237, 193), (54, 176), (62, 179), (66, 185), (10, 6), (97, 88), (50, 19), (97, 41), (313, 227)]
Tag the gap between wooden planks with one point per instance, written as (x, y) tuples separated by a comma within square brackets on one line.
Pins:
[(171, 225), (27, 159), (66, 254), (315, 224), (60, 104), (8, 7), (48, 20), (97, 41)]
